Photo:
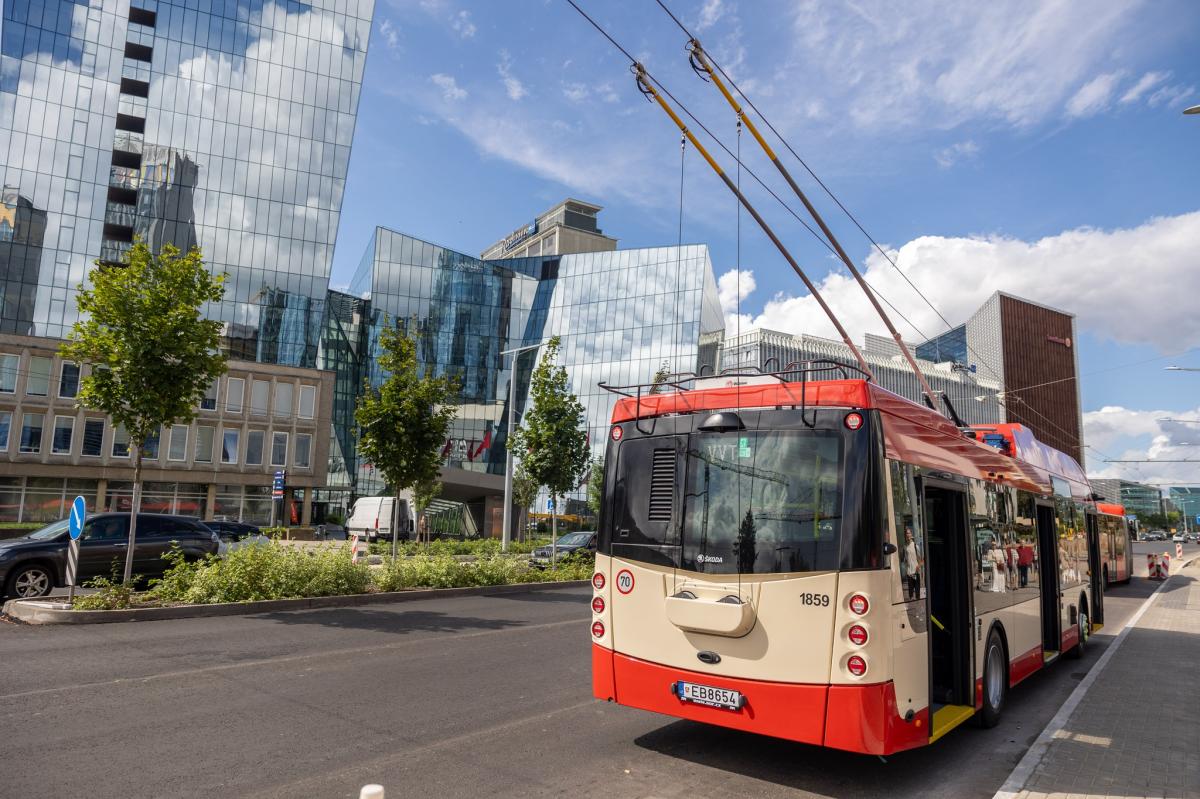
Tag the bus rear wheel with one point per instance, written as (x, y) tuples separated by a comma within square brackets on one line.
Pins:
[(995, 681), (1084, 629)]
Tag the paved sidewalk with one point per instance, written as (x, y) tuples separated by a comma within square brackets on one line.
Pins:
[(1136, 732)]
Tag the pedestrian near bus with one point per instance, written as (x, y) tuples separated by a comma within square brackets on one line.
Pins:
[(910, 565), (1024, 561)]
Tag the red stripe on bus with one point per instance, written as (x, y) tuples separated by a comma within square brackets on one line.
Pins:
[(783, 710), (1070, 637), (1024, 665), (603, 684), (865, 718)]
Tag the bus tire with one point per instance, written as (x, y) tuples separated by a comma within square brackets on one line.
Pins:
[(1083, 626), (995, 680)]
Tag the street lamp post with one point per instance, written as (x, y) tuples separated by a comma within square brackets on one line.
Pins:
[(510, 465)]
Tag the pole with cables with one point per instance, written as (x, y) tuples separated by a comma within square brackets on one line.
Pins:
[(645, 84)]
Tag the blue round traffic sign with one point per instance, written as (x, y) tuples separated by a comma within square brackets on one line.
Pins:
[(78, 517)]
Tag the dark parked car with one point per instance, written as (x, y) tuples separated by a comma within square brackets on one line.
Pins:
[(568, 544), (232, 531), (33, 565)]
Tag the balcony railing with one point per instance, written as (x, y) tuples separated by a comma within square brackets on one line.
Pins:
[(120, 214), (128, 141)]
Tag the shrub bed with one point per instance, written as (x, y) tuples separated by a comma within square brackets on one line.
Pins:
[(271, 571), (453, 546)]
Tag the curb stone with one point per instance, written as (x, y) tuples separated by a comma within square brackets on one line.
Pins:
[(49, 611)]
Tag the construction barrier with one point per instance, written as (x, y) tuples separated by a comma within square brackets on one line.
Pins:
[(1164, 566), (358, 549), (1179, 551), (1154, 569)]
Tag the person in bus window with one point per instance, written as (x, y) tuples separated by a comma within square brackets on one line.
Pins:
[(910, 565), (996, 556), (1024, 561)]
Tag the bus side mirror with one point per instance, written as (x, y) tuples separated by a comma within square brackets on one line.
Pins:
[(889, 548)]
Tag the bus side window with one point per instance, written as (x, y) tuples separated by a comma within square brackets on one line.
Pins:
[(1025, 528), (908, 535)]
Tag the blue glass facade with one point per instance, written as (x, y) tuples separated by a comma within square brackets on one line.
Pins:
[(223, 124), (950, 346), (620, 316)]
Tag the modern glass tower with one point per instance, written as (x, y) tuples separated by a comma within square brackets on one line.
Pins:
[(224, 124), (620, 317)]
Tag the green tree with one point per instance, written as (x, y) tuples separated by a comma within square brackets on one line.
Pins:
[(552, 439), (596, 485), (660, 379), (405, 421), (152, 353), (524, 492)]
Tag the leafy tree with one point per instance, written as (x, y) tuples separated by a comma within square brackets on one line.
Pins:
[(153, 354), (406, 420), (596, 484), (660, 378), (552, 437), (744, 547), (525, 492)]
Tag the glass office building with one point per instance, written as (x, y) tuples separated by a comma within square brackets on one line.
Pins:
[(224, 124), (620, 316)]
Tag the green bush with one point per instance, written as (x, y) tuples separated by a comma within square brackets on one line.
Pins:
[(263, 571), (110, 595), (456, 546), (444, 571)]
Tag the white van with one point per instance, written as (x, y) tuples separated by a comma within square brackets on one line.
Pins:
[(372, 518)]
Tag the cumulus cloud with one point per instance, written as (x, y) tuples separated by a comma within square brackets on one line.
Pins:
[(1116, 433), (1143, 85), (390, 34), (575, 92), (1094, 96), (1113, 280), (513, 87), (462, 25), (710, 13), (959, 151), (449, 86), (733, 287)]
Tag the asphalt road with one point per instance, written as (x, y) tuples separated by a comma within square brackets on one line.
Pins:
[(471, 696)]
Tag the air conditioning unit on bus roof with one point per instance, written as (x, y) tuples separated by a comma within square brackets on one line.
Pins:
[(733, 381)]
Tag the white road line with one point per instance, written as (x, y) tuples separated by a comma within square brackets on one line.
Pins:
[(1033, 756)]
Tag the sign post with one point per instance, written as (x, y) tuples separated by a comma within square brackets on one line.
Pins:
[(277, 490), (75, 526)]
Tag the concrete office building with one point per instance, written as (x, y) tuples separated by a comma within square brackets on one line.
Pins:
[(974, 398), (1030, 350), (226, 125), (569, 227)]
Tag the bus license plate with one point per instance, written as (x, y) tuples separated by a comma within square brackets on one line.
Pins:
[(710, 696)]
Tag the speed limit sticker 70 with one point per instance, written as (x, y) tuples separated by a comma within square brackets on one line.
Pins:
[(624, 581)]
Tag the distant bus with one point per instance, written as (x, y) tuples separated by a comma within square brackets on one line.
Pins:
[(828, 562), (1115, 536)]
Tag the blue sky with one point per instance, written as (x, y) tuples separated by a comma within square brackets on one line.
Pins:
[(1031, 146)]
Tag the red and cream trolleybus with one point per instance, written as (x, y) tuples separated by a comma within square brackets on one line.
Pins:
[(1116, 542), (827, 562)]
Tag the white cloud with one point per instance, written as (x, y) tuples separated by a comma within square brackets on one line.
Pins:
[(1094, 96), (449, 86), (959, 151), (1171, 96), (1113, 280), (1116, 433), (938, 63), (462, 24), (1144, 84), (513, 87), (710, 13), (390, 34), (734, 286), (575, 92)]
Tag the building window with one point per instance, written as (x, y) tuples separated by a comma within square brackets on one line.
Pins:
[(64, 431), (308, 401), (38, 384), (31, 432), (259, 391), (120, 445), (93, 438), (5, 426), (150, 447), (68, 381), (284, 393), (177, 449), (209, 401), (8, 372), (229, 446), (204, 444), (279, 449), (254, 447), (300, 456), (234, 388)]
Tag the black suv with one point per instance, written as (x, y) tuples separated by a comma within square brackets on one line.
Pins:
[(231, 531), (33, 565)]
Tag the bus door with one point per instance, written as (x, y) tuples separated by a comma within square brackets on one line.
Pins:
[(950, 604), (1047, 566), (1098, 543)]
